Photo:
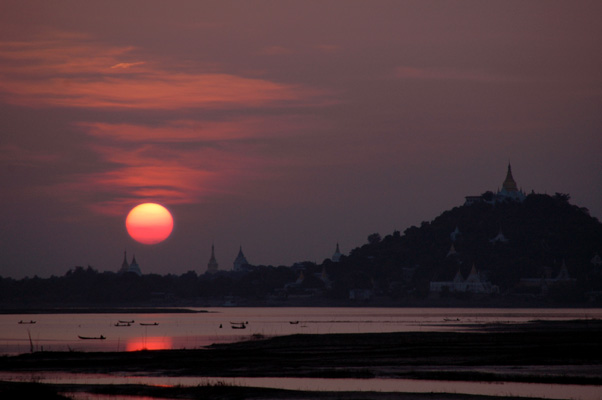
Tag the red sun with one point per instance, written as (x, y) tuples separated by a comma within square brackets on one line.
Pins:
[(149, 223)]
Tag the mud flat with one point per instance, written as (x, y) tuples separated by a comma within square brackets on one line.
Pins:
[(567, 352)]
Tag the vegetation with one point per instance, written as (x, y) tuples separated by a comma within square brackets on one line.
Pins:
[(544, 234), (88, 287)]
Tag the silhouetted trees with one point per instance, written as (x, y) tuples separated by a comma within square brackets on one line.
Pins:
[(543, 233)]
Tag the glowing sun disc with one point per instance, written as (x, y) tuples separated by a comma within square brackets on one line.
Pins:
[(149, 223)]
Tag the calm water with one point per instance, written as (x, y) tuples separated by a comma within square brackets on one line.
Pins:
[(59, 332), (518, 389)]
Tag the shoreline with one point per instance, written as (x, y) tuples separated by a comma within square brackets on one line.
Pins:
[(492, 351), (201, 306), (219, 391), (557, 352)]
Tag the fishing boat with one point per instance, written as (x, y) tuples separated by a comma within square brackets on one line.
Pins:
[(26, 322), (149, 324), (123, 324), (240, 325), (101, 337), (293, 322)]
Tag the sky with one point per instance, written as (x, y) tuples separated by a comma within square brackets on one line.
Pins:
[(284, 127)]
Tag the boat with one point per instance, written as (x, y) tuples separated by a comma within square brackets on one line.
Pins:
[(243, 326), (293, 322), (101, 337), (123, 324), (126, 322), (26, 322), (149, 324)]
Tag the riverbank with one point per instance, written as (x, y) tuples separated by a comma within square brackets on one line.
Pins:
[(317, 301), (567, 352), (10, 390)]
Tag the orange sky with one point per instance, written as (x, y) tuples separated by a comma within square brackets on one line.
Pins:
[(284, 127)]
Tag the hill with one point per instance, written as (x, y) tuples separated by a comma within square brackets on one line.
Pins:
[(523, 247)]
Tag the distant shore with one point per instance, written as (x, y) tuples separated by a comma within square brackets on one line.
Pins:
[(565, 352), (315, 302), (12, 390)]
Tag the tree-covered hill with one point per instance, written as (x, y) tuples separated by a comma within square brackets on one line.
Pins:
[(505, 241)]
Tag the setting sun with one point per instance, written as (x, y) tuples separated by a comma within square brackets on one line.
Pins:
[(149, 223)]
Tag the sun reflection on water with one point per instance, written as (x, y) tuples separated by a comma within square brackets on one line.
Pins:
[(149, 343)]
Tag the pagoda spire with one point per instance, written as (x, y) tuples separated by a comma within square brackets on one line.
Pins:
[(240, 260), (212, 265), (509, 183), (134, 267), (124, 265), (336, 257)]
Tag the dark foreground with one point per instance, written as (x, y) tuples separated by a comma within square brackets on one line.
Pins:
[(553, 352)]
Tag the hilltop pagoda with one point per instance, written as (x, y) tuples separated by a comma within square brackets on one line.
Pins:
[(336, 257), (510, 189)]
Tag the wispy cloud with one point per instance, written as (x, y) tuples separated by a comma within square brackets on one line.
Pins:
[(176, 159), (127, 65), (162, 91), (81, 73), (198, 131), (139, 174)]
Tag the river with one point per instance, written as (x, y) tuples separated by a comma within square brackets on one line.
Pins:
[(137, 331)]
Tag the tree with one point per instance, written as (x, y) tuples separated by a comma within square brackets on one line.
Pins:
[(374, 238)]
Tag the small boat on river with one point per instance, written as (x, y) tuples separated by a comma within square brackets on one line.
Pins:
[(126, 322), (26, 322), (123, 324), (239, 326), (293, 322), (149, 324), (101, 337)]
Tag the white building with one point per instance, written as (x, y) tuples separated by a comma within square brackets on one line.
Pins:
[(133, 267), (336, 257), (240, 261), (545, 282), (500, 238), (474, 283)]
